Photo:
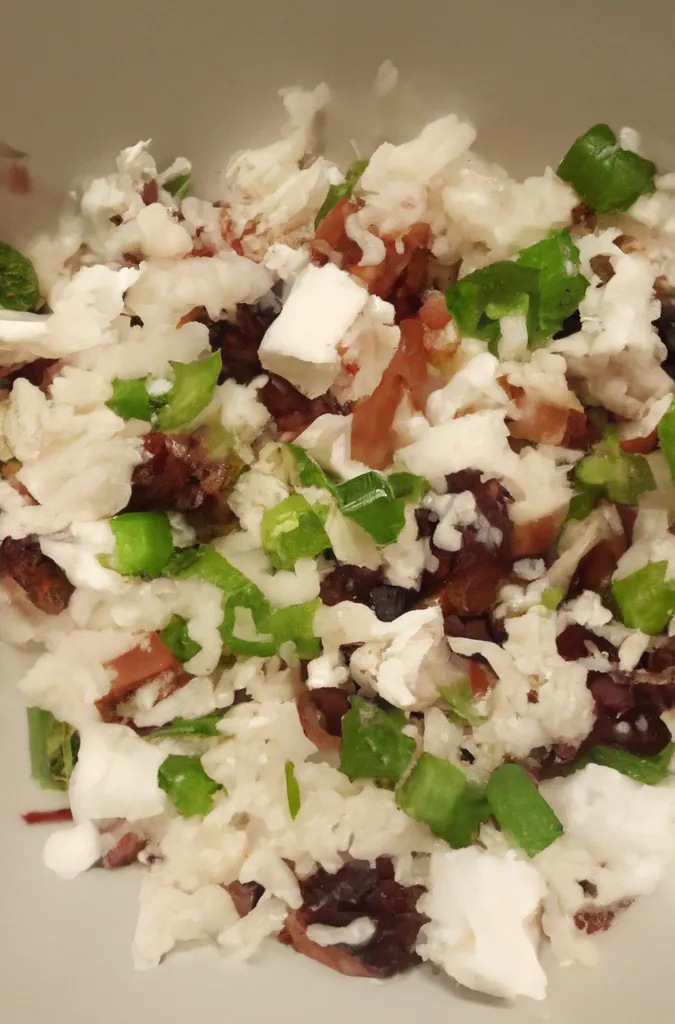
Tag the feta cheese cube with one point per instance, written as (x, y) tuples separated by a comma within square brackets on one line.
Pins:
[(301, 345)]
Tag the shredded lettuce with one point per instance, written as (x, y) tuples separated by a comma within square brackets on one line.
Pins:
[(623, 477), (207, 726), (607, 177), (193, 388), (292, 530), (188, 787), (179, 186), (647, 770), (666, 434), (19, 285), (369, 500), (438, 793), (373, 743), (53, 749), (292, 790), (341, 191), (521, 810), (646, 600), (176, 637)]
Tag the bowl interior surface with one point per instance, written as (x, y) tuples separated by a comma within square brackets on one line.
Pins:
[(86, 79)]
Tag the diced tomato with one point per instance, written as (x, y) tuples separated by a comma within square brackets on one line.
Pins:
[(536, 537), (640, 445), (148, 661), (434, 313), (47, 817), (481, 678)]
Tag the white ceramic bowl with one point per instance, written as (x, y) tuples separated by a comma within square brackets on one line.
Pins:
[(82, 78)]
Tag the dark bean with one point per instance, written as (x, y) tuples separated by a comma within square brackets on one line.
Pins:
[(388, 601), (44, 583), (571, 325), (349, 583)]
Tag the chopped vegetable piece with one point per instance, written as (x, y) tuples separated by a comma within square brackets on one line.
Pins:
[(478, 301), (521, 810), (341, 191), (459, 698), (583, 502), (622, 476), (373, 744), (204, 563), (207, 725), (187, 785), (648, 770), (193, 388), (369, 501), (296, 624), (176, 637), (310, 473), (408, 486), (243, 629), (53, 749), (179, 186), (131, 400), (19, 286), (607, 177), (143, 543), (292, 530), (292, 791), (666, 433), (551, 598), (646, 599), (438, 793), (562, 286)]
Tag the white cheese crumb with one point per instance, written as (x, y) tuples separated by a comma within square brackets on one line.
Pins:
[(356, 933)]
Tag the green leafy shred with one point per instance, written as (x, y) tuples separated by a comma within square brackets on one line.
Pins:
[(647, 770), (521, 810), (562, 286), (438, 793), (292, 530), (131, 400), (583, 502), (623, 477), (53, 749), (373, 743), (19, 286), (646, 600), (459, 698), (607, 177), (408, 486), (341, 191), (666, 434), (295, 624), (188, 787), (206, 726), (179, 186), (176, 637), (194, 385), (292, 790), (369, 501)]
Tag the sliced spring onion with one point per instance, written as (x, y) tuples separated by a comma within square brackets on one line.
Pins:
[(292, 790), (369, 501), (296, 624), (622, 476), (459, 698), (521, 810), (176, 637), (19, 286), (647, 770), (604, 175), (292, 530), (583, 502), (244, 629), (53, 749), (179, 186), (341, 191), (562, 286), (310, 474), (438, 793), (207, 725), (373, 744), (646, 600), (666, 433), (478, 301), (143, 543), (187, 785), (193, 388), (408, 486)]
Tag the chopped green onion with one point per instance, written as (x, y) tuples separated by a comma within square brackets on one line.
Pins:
[(478, 301), (296, 624), (310, 474), (179, 186), (176, 637), (583, 502), (292, 530), (521, 810), (408, 486), (604, 175), (369, 501), (207, 725), (562, 286), (551, 598), (459, 698), (189, 788), (341, 191), (19, 286), (438, 793), (645, 599), (131, 400), (647, 770), (292, 791), (373, 744), (666, 433), (193, 388), (53, 749), (143, 543), (205, 563), (243, 628), (623, 476)]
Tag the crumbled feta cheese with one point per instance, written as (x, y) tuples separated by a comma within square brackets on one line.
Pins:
[(160, 235), (588, 610), (632, 649), (357, 933), (327, 670), (482, 926), (652, 542), (475, 384), (404, 559), (328, 441), (71, 851), (302, 343)]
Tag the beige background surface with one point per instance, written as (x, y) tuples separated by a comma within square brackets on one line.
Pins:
[(82, 78)]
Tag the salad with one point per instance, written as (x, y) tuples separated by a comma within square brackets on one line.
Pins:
[(340, 510)]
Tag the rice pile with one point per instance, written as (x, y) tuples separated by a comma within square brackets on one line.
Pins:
[(142, 275)]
